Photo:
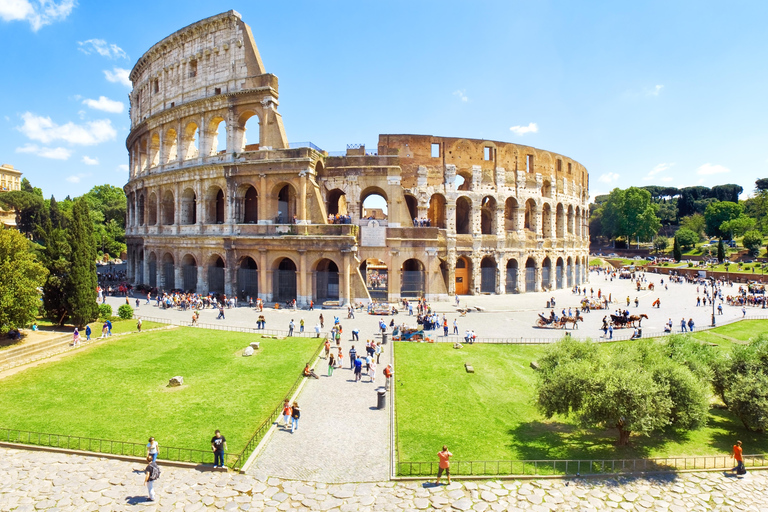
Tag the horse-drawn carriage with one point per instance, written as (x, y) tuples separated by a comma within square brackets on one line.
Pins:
[(558, 322), (621, 321)]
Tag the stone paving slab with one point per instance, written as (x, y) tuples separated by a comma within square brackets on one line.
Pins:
[(32, 480)]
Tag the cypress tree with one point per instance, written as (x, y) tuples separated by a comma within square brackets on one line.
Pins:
[(720, 251), (676, 253), (81, 281)]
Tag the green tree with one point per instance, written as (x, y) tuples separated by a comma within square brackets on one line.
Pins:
[(20, 277), (761, 184), (633, 390), (720, 251), (82, 282), (686, 238), (631, 214), (660, 243), (56, 257), (695, 223), (752, 241), (676, 252), (729, 192), (719, 212), (737, 226)]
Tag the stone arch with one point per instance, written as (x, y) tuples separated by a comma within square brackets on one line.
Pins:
[(189, 273), (531, 209), (168, 209), (546, 221), (488, 272), (247, 278), (246, 204), (216, 271), (171, 148), (577, 225), (511, 214), (577, 277), (188, 206), (214, 202), (488, 215), (337, 202), (152, 210), (466, 176), (463, 276), (436, 213), (154, 150), (570, 219), (546, 274), (413, 207), (190, 141), (463, 216), (560, 221), (152, 269), (368, 211), (531, 278), (546, 189), (140, 267), (413, 278), (512, 269), (143, 155), (559, 273), (141, 212), (319, 167), (169, 271), (326, 280), (284, 280), (286, 202), (376, 275), (248, 141), (217, 136)]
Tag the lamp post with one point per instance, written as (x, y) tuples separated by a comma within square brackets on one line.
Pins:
[(714, 296)]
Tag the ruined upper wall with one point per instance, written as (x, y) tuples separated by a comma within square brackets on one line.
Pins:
[(416, 150), (216, 55)]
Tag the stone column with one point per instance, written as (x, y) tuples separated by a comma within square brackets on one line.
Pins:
[(199, 205), (501, 271), (265, 278), (264, 217), (538, 276), (303, 293), (229, 270), (500, 230), (303, 219), (393, 277), (476, 273), (146, 266), (520, 276), (178, 277), (450, 217), (202, 279), (347, 290)]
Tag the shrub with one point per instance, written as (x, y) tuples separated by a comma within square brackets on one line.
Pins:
[(105, 311), (690, 264), (125, 312)]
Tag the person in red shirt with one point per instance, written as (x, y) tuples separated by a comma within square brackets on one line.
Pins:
[(444, 465), (737, 455)]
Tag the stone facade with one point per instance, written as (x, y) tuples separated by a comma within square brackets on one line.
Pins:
[(10, 178), (218, 201)]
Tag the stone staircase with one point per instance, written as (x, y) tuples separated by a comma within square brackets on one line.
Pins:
[(27, 353)]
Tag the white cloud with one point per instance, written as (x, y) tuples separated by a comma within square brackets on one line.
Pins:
[(522, 130), (52, 153), (103, 48), (666, 178), (90, 161), (122, 167), (38, 13), (118, 75), (105, 104), (75, 178), (656, 170), (608, 177), (461, 94), (655, 91), (709, 169), (44, 130)]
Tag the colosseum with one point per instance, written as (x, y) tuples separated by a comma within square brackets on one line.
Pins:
[(220, 202)]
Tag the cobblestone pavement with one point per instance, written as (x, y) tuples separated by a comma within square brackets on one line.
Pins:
[(341, 435), (507, 316), (32, 480)]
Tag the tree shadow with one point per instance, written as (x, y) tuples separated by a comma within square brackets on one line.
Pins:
[(727, 429)]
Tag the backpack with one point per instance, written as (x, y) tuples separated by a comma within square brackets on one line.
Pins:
[(741, 471), (154, 472)]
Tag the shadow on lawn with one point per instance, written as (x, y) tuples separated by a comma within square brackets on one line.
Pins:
[(729, 429)]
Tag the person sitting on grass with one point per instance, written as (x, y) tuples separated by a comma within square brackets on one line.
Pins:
[(309, 372)]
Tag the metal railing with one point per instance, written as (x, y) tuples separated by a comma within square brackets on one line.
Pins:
[(108, 446), (576, 467), (232, 328), (293, 145)]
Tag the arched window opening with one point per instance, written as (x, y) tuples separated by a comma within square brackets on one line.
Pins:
[(249, 132), (189, 273), (511, 285), (546, 189), (250, 206), (140, 268), (286, 205), (190, 141), (413, 279), (463, 216), (546, 274), (216, 272), (488, 275), (169, 278), (530, 215), (376, 277), (463, 181), (569, 272), (413, 208), (546, 220), (284, 281), (168, 210), (462, 274), (327, 281), (510, 214), (337, 202), (152, 209), (171, 146), (141, 210), (154, 150), (530, 275), (247, 279), (188, 207), (152, 269), (375, 207), (218, 136), (436, 214), (488, 216), (571, 218), (559, 273), (560, 221)]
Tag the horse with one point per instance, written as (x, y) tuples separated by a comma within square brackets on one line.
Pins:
[(570, 320), (619, 320), (639, 319)]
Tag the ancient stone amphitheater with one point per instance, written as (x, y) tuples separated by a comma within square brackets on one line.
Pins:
[(219, 200)]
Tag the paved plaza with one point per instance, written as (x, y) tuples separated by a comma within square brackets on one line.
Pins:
[(31, 480)]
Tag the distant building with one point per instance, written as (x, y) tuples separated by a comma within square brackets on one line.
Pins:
[(10, 178)]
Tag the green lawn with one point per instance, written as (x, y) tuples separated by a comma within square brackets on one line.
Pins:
[(117, 390), (490, 415)]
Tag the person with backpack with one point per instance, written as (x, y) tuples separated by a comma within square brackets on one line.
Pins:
[(151, 474), (739, 458), (295, 415)]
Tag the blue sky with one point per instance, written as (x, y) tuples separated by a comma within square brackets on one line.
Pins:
[(666, 93)]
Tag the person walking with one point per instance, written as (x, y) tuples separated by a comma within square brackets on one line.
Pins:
[(690, 324), (683, 326), (327, 347), (286, 413), (301, 325), (76, 338), (610, 332), (152, 448), (317, 330), (295, 415), (331, 363), (322, 322), (388, 375), (218, 445), (358, 364), (372, 371), (444, 465), (87, 333), (739, 458), (352, 357), (455, 327), (378, 352), (138, 324), (291, 325), (151, 474)]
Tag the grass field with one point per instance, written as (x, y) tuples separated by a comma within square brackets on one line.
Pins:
[(490, 415), (117, 390)]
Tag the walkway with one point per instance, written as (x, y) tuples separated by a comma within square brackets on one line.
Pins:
[(342, 436), (32, 480)]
